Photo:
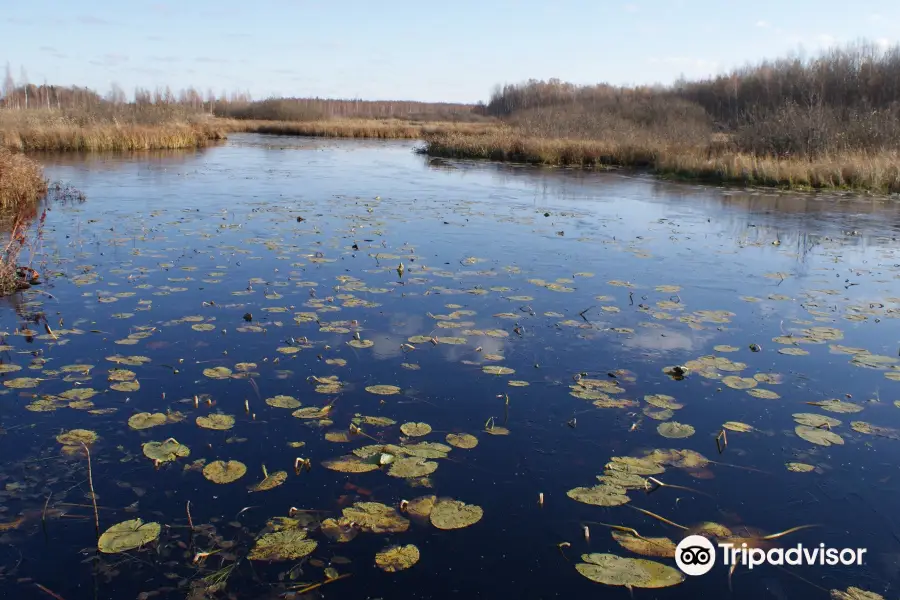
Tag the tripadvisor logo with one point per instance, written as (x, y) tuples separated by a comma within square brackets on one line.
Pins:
[(696, 555)]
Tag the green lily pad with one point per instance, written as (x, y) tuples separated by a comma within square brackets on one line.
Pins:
[(466, 441), (454, 514), (383, 390), (128, 535), (223, 472), (415, 429), (146, 420), (600, 495), (820, 437), (374, 517), (675, 430), (76, 437), (283, 545), (216, 421), (283, 402), (397, 558), (610, 569), (166, 451)]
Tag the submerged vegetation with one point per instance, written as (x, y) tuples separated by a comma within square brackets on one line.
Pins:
[(828, 122)]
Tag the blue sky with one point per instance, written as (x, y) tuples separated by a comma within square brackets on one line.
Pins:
[(399, 49)]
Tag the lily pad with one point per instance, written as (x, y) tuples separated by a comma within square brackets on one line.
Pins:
[(126, 386), (397, 558), (216, 421), (814, 420), (818, 436), (166, 451), (453, 514), (737, 426), (146, 420), (383, 390), (415, 429), (281, 401), (798, 467), (838, 406), (22, 383), (497, 370), (283, 545), (270, 481), (76, 437), (340, 530), (128, 535), (663, 401), (739, 383), (610, 569), (421, 507), (121, 375), (412, 467), (217, 372), (224, 472), (600, 495), (662, 547), (375, 517), (349, 464), (675, 430), (466, 441), (361, 343)]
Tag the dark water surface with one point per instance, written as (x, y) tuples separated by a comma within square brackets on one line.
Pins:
[(559, 276)]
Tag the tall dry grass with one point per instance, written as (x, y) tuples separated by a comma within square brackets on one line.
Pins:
[(22, 187), (22, 182), (359, 128), (52, 130)]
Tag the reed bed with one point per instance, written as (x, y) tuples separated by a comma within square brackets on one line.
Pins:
[(359, 128), (877, 172)]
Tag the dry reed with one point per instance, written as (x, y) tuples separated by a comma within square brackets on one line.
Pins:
[(359, 128), (22, 181), (877, 172)]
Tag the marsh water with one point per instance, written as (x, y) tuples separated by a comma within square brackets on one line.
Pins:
[(539, 311)]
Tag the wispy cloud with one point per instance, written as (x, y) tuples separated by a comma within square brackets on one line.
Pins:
[(165, 59), (110, 60), (763, 24), (92, 20), (630, 7), (54, 52), (211, 60)]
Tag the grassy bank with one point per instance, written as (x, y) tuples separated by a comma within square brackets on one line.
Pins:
[(826, 122), (22, 187), (62, 131), (713, 162), (359, 128)]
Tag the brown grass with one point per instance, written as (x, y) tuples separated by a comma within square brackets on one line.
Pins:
[(54, 131), (714, 162), (359, 128), (22, 186)]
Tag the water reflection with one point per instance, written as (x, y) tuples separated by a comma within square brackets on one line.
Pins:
[(583, 287)]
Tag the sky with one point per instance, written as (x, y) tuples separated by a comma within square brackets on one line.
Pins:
[(454, 51)]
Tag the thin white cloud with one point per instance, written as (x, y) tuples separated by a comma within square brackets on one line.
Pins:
[(631, 7), (763, 24)]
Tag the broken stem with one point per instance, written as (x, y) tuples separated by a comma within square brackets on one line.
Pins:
[(190, 520), (91, 485), (314, 586), (663, 519), (775, 536)]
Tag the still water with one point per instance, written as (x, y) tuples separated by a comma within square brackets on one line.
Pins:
[(524, 344)]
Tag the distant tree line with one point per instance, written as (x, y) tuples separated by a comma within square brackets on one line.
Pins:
[(844, 99), (24, 95)]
